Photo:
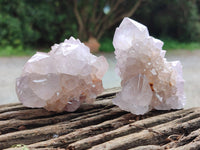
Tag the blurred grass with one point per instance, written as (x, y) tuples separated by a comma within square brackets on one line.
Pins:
[(106, 46), (7, 51), (169, 44)]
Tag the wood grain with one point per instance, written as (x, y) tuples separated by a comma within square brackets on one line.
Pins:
[(98, 126)]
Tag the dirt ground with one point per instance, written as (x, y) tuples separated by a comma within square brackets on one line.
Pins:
[(10, 69)]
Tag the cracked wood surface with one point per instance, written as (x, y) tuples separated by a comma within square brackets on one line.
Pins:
[(98, 126)]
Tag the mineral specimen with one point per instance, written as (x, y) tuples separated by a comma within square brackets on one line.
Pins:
[(63, 78), (149, 81)]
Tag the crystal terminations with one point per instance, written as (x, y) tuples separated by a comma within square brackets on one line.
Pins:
[(149, 81), (63, 78)]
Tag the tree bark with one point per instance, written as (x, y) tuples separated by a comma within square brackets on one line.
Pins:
[(107, 23), (82, 32), (95, 22)]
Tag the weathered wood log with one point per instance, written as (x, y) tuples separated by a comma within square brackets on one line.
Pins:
[(98, 126)]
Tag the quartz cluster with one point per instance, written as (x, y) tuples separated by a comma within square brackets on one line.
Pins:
[(63, 78), (149, 81)]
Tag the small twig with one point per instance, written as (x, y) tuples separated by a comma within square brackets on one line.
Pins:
[(175, 137)]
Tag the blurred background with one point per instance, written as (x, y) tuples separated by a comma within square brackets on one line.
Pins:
[(27, 26)]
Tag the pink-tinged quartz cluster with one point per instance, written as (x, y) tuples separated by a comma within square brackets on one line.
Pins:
[(149, 81), (63, 78)]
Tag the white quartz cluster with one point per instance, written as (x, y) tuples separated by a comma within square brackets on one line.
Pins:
[(63, 78), (149, 81)]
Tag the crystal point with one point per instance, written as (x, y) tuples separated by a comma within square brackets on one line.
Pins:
[(63, 78), (149, 81)]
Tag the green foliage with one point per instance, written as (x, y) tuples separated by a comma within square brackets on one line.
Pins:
[(178, 19), (10, 30), (15, 24), (106, 45), (96, 17), (36, 23)]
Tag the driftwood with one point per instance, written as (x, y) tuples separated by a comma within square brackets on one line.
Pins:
[(98, 126)]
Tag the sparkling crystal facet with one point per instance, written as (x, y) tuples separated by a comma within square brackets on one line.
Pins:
[(149, 81), (63, 78)]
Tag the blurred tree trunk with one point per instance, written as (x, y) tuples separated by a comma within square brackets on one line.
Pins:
[(95, 17)]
